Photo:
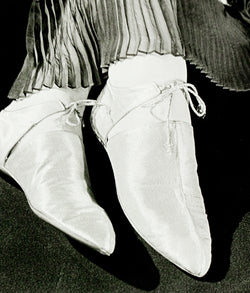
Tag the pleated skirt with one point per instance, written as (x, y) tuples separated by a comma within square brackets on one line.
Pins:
[(71, 43)]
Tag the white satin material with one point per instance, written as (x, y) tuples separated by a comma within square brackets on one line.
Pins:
[(147, 68), (46, 157), (151, 148)]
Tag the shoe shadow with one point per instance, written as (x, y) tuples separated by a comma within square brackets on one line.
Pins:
[(10, 180), (130, 261), (226, 204), (226, 193), (222, 150)]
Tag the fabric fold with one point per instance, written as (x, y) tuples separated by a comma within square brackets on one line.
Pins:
[(221, 49), (72, 43)]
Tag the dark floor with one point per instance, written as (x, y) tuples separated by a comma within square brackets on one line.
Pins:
[(35, 257)]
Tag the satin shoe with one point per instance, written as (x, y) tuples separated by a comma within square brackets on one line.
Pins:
[(151, 148), (41, 148)]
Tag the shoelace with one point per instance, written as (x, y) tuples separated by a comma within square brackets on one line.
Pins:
[(189, 89), (73, 111)]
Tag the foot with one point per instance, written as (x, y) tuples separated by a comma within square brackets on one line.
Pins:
[(151, 148), (42, 150)]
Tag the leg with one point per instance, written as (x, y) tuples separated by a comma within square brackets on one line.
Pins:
[(144, 123), (42, 149)]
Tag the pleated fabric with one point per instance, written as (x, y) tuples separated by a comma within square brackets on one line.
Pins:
[(217, 41), (71, 43)]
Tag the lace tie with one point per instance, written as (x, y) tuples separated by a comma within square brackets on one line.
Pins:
[(170, 89), (189, 89), (74, 117)]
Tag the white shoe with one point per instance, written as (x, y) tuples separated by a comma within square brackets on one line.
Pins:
[(41, 148), (151, 148)]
